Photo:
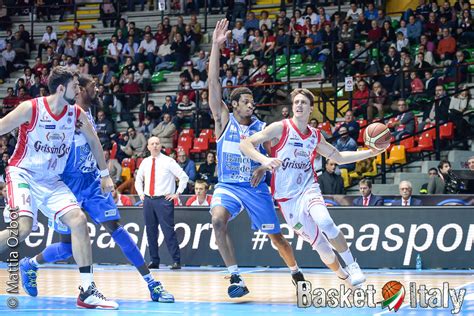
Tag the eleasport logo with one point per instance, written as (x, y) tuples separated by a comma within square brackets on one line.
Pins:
[(393, 293)]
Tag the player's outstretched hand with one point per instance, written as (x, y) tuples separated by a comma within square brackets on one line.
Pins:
[(272, 163), (258, 175), (220, 33), (106, 185)]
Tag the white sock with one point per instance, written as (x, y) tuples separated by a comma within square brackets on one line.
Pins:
[(34, 263), (347, 256), (148, 278), (294, 269), (341, 273), (87, 277), (233, 269)]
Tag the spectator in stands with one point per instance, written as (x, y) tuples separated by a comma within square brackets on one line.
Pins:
[(414, 30), (350, 124), (459, 106), (359, 61), (197, 83), (181, 51), (164, 56), (457, 71), (285, 113), (442, 111), (48, 36), (120, 199), (446, 46), (115, 169), (20, 48), (143, 77), (432, 173), (23, 94), (114, 49), (406, 189), (405, 121), (189, 168), (147, 49), (186, 111), (147, 126), (130, 49), (108, 12), (207, 171), (3, 194), (362, 28), (470, 163), (105, 77), (367, 198), (28, 77), (239, 33), (165, 131), (169, 106), (10, 101), (378, 99), (9, 55), (200, 198), (360, 100), (329, 181), (251, 22), (346, 143), (402, 42), (136, 144), (91, 45), (35, 88), (437, 185), (104, 129)]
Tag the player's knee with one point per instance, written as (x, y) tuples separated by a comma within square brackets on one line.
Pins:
[(111, 226), (219, 223), (76, 219), (278, 240), (329, 228), (325, 251)]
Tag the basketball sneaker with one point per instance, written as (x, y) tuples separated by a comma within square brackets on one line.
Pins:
[(356, 275), (237, 287), (297, 277), (159, 294), (93, 299), (28, 274)]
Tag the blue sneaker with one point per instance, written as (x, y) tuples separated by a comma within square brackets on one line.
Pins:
[(237, 287), (159, 294), (28, 277)]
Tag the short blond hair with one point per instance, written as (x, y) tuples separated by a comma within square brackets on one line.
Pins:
[(304, 92)]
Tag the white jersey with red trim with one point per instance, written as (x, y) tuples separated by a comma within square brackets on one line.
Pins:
[(297, 152), (45, 141)]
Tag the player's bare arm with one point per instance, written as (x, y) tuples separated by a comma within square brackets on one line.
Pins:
[(329, 151), (218, 108), (20, 115), (271, 133), (87, 129)]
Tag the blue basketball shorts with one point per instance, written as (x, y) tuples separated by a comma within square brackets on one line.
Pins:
[(258, 202), (86, 188)]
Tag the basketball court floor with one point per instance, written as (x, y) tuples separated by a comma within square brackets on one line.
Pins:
[(203, 291)]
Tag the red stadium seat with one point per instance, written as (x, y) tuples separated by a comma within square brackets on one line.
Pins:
[(360, 139), (408, 142), (425, 143), (362, 123), (185, 142), (187, 132), (446, 131), (325, 126), (200, 145), (129, 163), (431, 132), (113, 151), (139, 162)]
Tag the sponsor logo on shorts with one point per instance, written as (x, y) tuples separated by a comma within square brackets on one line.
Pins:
[(23, 186), (110, 213), (50, 127), (298, 226), (268, 226)]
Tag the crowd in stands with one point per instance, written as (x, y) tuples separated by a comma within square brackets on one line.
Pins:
[(399, 66)]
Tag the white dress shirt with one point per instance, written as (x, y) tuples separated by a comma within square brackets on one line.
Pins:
[(166, 172), (408, 202)]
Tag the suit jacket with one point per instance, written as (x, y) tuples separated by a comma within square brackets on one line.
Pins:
[(413, 202), (374, 201)]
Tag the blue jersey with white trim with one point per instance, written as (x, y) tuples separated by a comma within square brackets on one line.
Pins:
[(81, 160), (232, 165)]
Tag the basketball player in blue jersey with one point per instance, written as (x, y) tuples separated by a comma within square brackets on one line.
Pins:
[(234, 190), (82, 177)]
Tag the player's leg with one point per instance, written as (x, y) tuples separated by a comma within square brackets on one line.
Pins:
[(320, 215), (287, 254), (224, 206), (131, 251), (24, 225)]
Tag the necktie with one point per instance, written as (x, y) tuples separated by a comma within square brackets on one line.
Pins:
[(406, 202), (366, 201), (152, 178)]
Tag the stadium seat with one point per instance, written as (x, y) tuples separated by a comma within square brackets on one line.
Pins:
[(298, 70), (345, 177), (126, 174), (158, 77), (360, 139), (280, 60), (296, 59), (397, 155), (325, 126), (378, 159), (185, 149), (446, 131), (425, 143), (282, 73), (431, 132), (129, 163), (408, 142), (314, 69), (113, 151), (187, 132), (200, 145), (208, 134), (139, 162), (362, 123), (373, 172)]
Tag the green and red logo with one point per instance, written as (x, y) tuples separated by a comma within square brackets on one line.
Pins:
[(393, 293)]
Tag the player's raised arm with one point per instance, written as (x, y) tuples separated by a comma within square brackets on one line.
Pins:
[(329, 151), (96, 148), (248, 146), (20, 115), (218, 108)]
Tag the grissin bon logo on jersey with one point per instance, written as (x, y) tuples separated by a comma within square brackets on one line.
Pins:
[(287, 163), (61, 151)]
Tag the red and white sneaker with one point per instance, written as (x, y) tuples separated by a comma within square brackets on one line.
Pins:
[(93, 299)]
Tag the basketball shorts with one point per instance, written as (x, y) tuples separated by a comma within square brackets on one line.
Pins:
[(28, 193), (257, 201), (86, 187), (296, 212)]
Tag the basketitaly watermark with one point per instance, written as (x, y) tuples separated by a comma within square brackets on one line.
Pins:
[(393, 292)]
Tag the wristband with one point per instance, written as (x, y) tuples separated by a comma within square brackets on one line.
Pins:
[(104, 173)]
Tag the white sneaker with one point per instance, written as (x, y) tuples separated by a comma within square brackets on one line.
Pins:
[(93, 299), (356, 275)]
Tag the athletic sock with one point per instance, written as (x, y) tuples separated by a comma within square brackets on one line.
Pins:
[(341, 273), (295, 269), (87, 276), (128, 246), (34, 263), (347, 256), (233, 269), (148, 278)]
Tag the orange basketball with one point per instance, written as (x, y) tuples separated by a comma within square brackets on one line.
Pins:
[(390, 289), (377, 136)]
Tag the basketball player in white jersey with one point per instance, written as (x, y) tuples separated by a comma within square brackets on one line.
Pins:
[(47, 126), (295, 146)]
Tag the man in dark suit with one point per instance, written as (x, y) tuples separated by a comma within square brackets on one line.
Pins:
[(405, 188), (405, 123), (367, 198)]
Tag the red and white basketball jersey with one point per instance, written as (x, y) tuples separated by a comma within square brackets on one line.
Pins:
[(44, 143), (297, 151)]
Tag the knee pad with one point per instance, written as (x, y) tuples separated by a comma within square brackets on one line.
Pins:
[(324, 250), (321, 216)]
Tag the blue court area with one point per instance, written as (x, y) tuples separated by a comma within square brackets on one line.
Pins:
[(61, 305)]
